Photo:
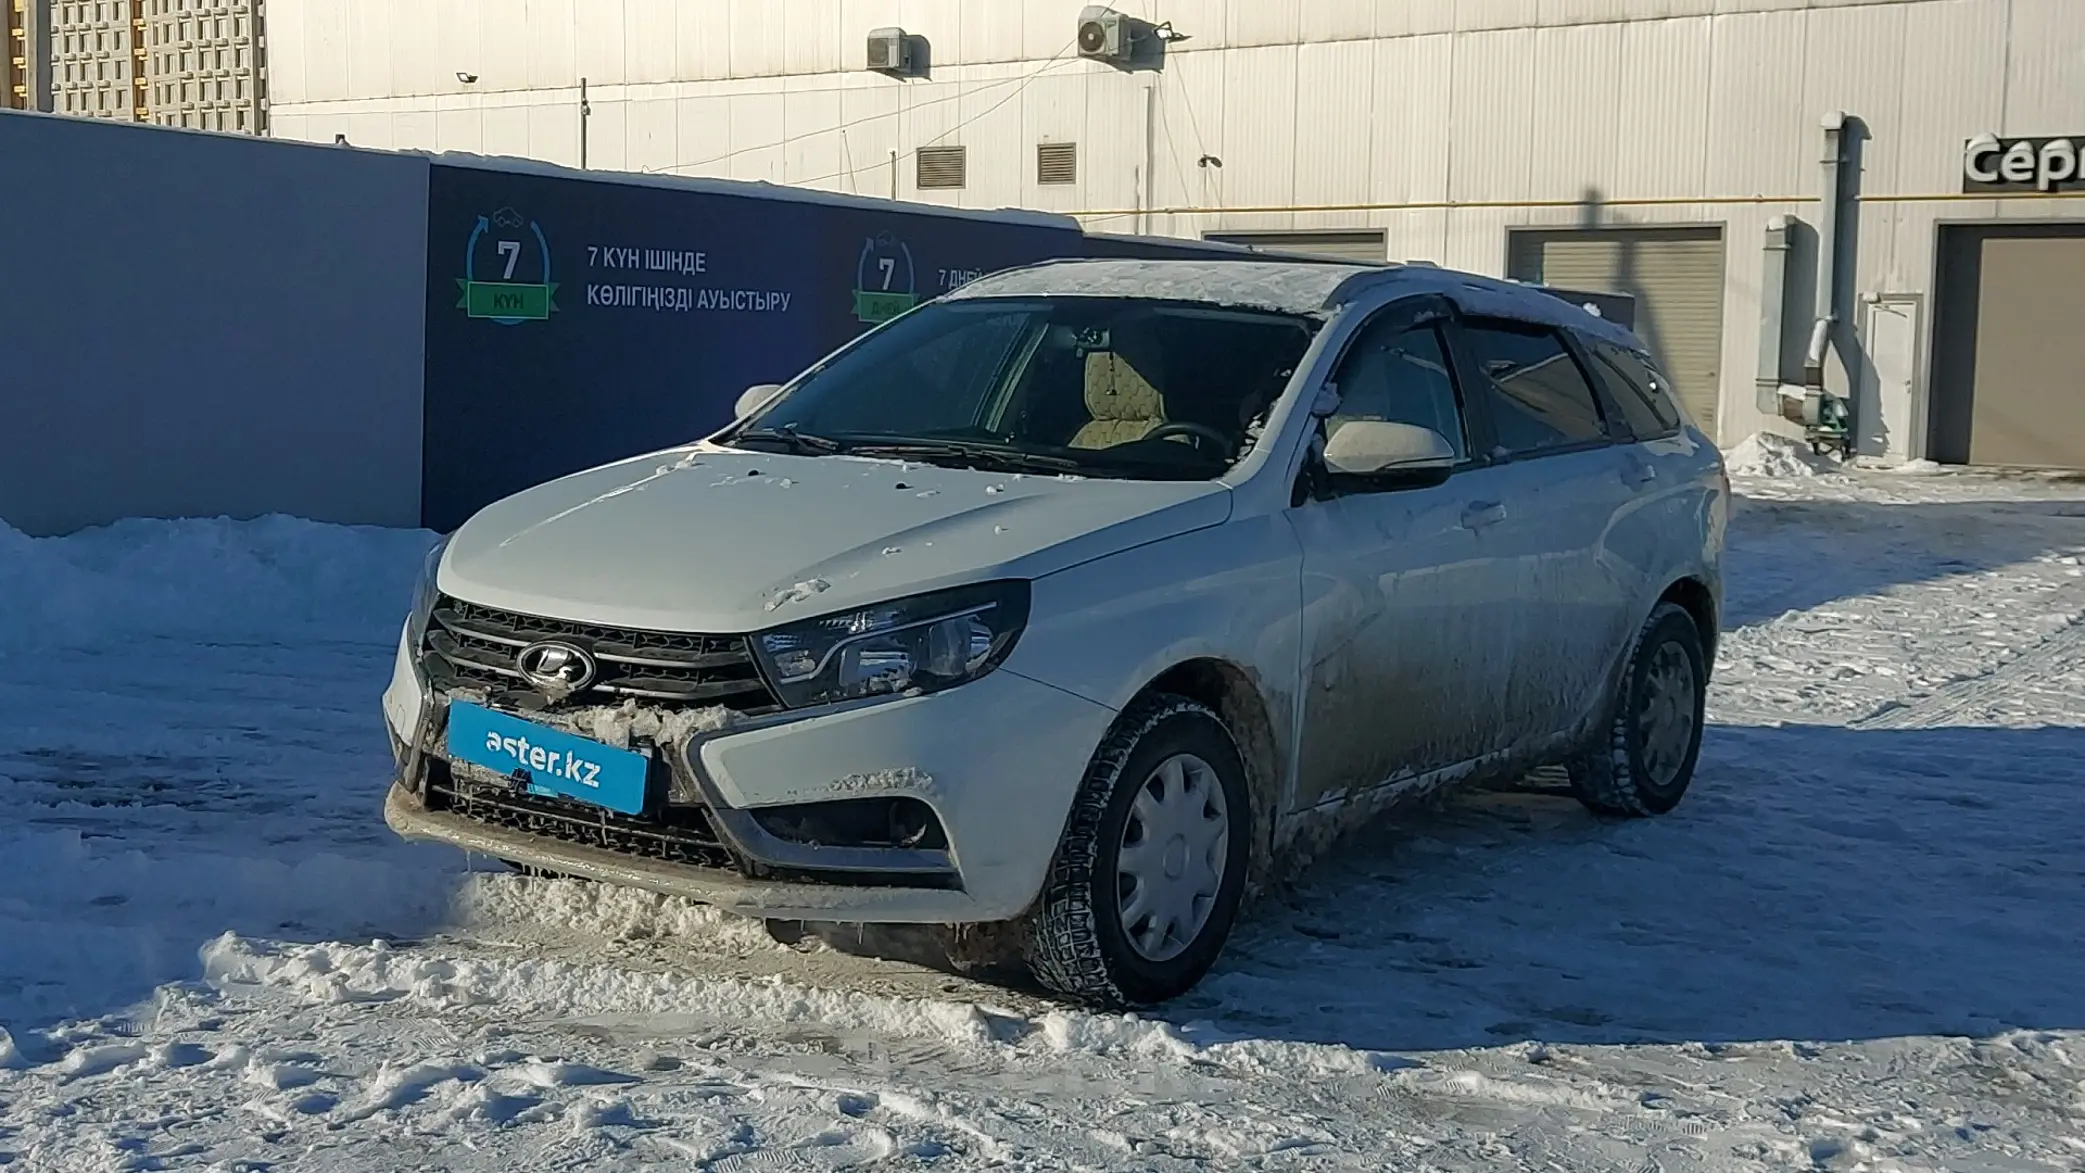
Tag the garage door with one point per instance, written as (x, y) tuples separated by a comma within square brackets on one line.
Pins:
[(1676, 277), (1366, 246), (2009, 343)]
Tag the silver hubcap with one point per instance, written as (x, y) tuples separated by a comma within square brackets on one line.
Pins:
[(1171, 862), (1665, 719)]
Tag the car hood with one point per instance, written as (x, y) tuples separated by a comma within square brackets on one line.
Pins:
[(719, 540)]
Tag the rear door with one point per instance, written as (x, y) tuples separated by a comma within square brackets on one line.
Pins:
[(1562, 482), (1659, 534)]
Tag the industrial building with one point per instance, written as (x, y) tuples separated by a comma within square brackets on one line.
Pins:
[(1667, 148), (192, 63)]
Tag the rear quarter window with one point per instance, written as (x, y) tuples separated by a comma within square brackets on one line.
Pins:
[(1644, 396)]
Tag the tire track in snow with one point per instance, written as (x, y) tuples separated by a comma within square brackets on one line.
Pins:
[(2046, 663)]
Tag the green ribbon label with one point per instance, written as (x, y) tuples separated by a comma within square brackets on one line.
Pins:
[(876, 308), (506, 300)]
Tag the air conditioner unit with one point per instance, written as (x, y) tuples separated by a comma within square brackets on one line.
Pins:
[(890, 51), (1105, 34)]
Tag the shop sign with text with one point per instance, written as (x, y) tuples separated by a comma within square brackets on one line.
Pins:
[(1994, 164)]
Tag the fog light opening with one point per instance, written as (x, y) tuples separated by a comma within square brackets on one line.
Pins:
[(893, 822), (911, 822)]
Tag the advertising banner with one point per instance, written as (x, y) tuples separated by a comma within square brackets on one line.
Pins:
[(571, 322)]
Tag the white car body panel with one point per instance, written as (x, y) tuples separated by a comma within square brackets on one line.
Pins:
[(1402, 637), (996, 760), (714, 539)]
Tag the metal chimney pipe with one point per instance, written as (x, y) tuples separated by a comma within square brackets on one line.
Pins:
[(1833, 162)]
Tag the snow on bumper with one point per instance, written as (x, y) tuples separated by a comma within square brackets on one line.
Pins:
[(998, 761)]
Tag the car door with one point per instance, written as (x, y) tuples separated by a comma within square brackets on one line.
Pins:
[(1670, 469), (1562, 483), (1389, 628)]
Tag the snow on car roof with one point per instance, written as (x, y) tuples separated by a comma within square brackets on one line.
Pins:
[(1244, 284), (1305, 288)]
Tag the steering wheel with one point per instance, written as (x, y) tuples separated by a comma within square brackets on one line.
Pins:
[(1196, 432)]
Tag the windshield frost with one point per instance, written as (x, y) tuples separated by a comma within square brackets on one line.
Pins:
[(1104, 386)]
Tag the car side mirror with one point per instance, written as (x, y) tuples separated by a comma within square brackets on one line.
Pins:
[(1379, 454), (754, 398)]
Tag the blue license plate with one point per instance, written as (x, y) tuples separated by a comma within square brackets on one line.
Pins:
[(548, 761)]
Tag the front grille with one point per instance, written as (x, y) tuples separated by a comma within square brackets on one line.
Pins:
[(682, 835), (473, 646)]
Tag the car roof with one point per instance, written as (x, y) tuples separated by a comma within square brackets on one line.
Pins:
[(1289, 287), (1245, 283)]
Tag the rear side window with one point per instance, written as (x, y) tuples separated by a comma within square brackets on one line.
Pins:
[(1539, 397), (1642, 393)]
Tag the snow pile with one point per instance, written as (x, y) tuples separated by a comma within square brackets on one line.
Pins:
[(1764, 454), (552, 989), (501, 904), (228, 578), (94, 923), (549, 989), (196, 751)]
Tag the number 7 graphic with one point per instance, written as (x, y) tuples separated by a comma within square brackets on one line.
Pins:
[(510, 249)]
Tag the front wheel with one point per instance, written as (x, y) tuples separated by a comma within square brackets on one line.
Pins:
[(1149, 875), (1654, 733)]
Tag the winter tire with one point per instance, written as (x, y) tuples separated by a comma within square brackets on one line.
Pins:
[(1654, 733), (1149, 875)]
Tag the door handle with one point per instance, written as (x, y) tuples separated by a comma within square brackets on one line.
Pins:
[(1640, 473), (1479, 514)]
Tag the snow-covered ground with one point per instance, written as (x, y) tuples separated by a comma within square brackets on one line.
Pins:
[(1856, 946)]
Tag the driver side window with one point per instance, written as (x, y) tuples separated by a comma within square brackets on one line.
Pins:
[(1399, 373)]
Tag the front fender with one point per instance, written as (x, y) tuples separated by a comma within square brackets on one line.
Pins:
[(1106, 629)]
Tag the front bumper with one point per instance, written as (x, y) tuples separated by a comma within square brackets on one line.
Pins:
[(998, 761)]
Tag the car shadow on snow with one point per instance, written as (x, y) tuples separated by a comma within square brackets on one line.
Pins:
[(1791, 555), (1819, 883)]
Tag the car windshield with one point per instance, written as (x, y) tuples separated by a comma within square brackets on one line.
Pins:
[(1118, 387)]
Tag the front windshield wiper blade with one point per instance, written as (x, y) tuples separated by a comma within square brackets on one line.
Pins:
[(983, 454), (800, 443)]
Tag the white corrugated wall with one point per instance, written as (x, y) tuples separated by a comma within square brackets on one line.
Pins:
[(1324, 114)]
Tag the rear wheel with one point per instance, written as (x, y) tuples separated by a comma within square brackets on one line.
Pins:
[(1654, 733), (1149, 875)]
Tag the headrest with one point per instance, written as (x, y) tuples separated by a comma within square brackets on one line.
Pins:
[(1123, 384)]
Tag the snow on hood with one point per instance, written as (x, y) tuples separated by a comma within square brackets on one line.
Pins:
[(715, 539)]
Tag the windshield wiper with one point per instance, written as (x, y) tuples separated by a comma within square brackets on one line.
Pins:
[(991, 455), (799, 443)]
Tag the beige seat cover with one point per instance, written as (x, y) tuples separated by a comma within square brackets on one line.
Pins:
[(1123, 396)]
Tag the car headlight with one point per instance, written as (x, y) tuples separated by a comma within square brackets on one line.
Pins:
[(925, 643), (424, 596)]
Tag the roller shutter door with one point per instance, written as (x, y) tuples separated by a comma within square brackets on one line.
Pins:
[(1366, 246), (2009, 346), (1676, 277)]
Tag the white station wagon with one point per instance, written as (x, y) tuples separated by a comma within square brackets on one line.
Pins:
[(1080, 601)]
